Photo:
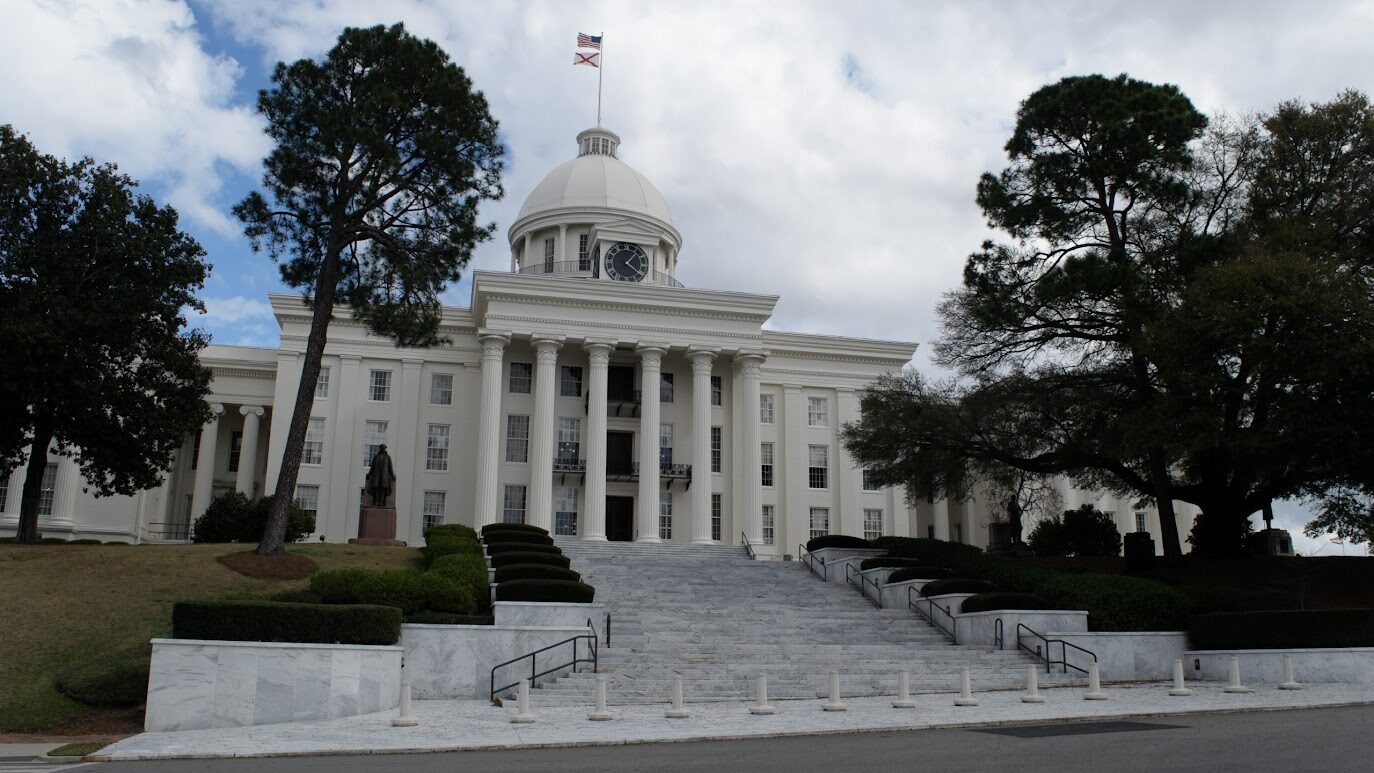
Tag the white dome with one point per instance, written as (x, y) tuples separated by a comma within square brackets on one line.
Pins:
[(596, 180)]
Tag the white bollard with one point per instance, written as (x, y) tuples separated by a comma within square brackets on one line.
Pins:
[(835, 703), (523, 715), (1032, 686), (966, 692), (1235, 685), (1179, 690), (761, 694), (904, 700), (600, 714), (1094, 692), (676, 711), (404, 719), (1289, 683)]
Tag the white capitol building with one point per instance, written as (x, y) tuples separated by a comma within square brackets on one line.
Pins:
[(586, 391)]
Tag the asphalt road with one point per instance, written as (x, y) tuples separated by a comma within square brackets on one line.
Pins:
[(1317, 740)]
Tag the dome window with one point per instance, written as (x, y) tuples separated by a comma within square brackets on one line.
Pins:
[(598, 145)]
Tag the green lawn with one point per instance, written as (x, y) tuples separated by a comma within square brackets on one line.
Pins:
[(61, 605)]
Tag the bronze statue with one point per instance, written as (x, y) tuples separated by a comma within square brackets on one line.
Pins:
[(381, 477), (1014, 518)]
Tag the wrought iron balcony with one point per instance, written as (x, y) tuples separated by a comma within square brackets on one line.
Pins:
[(564, 464), (587, 269), (666, 473)]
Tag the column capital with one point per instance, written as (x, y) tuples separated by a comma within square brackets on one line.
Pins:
[(493, 343), (598, 350), (651, 353), (550, 343), (217, 409), (750, 361), (701, 359), (255, 410)]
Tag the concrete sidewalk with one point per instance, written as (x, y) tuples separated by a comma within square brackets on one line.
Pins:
[(472, 724)]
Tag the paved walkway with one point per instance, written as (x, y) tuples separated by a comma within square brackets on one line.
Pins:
[(466, 725)]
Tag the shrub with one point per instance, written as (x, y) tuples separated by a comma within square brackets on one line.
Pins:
[(233, 517), (451, 530), (1205, 599), (1283, 629), (116, 680), (83, 542), (447, 545), (528, 537), (407, 591), (836, 541), (448, 618), (1116, 602), (512, 527), (508, 558), (984, 602), (299, 596), (535, 572), (469, 571), (504, 547), (277, 621), (955, 585), (880, 562), (1139, 548), (338, 586), (1082, 532), (563, 591), (932, 552), (918, 573)]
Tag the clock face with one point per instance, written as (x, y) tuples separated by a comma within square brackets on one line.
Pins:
[(626, 262)]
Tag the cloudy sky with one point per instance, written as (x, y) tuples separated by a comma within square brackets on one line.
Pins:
[(823, 151)]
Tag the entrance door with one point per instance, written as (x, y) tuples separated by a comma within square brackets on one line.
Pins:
[(620, 453), (620, 519)]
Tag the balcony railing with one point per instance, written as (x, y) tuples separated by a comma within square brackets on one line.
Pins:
[(666, 472), (579, 268)]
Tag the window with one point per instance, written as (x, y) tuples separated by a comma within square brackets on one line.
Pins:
[(565, 511), (517, 438), (665, 444), (584, 260), (570, 381), (569, 440), (322, 384), (665, 387), (521, 377), (717, 390), (513, 510), (47, 489), (374, 435), (818, 411), (441, 389), (548, 256), (870, 484), (766, 464), (665, 515), (379, 386), (235, 450), (818, 475), (313, 450), (715, 517), (765, 409), (1142, 522), (308, 497), (435, 503), (436, 449), (820, 522), (715, 449), (768, 524), (873, 523)]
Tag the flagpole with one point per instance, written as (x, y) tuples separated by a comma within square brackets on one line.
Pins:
[(599, 70)]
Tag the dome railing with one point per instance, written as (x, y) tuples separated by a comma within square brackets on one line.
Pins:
[(578, 268)]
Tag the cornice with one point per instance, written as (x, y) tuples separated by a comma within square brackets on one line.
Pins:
[(627, 332), (239, 372)]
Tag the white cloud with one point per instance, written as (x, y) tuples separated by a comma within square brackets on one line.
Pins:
[(236, 309)]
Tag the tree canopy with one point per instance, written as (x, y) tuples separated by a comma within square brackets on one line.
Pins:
[(1179, 310), (383, 153), (98, 363)]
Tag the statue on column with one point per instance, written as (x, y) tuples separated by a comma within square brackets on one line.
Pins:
[(381, 477), (1014, 518)]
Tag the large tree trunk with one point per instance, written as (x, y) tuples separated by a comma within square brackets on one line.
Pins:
[(33, 483), (274, 534), (1164, 504)]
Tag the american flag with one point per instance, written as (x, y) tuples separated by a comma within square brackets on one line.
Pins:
[(588, 41)]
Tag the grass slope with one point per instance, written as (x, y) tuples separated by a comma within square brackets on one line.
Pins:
[(66, 604)]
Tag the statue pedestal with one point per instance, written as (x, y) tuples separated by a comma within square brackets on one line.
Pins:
[(377, 526)]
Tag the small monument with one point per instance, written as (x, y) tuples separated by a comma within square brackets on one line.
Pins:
[(1005, 536), (377, 522)]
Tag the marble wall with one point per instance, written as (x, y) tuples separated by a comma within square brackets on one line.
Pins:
[(835, 560), (895, 595), (546, 614), (1125, 656), (199, 684), (1348, 665), (981, 627), (455, 661)]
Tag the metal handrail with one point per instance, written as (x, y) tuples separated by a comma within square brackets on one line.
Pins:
[(864, 582), (1064, 647), (849, 572), (569, 464), (997, 636), (929, 613), (748, 548), (810, 561), (608, 629), (533, 657)]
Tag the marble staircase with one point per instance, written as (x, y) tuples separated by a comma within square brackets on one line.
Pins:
[(718, 619)]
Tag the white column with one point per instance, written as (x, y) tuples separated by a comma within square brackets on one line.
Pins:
[(594, 523), (851, 519), (410, 445), (248, 449), (345, 471), (968, 507), (542, 432), (651, 363), (529, 250), (942, 519), (486, 505), (701, 445), (562, 243), (284, 403), (205, 463), (750, 363)]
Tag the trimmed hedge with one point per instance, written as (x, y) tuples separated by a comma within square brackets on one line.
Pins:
[(448, 618), (563, 591), (278, 621), (836, 541), (512, 527), (918, 573), (535, 572), (956, 585), (468, 571), (451, 530), (440, 545), (931, 551), (1283, 629), (527, 537), (882, 562), (505, 547), (511, 557), (984, 602), (1206, 599), (1116, 602), (337, 586), (407, 591), (117, 680)]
